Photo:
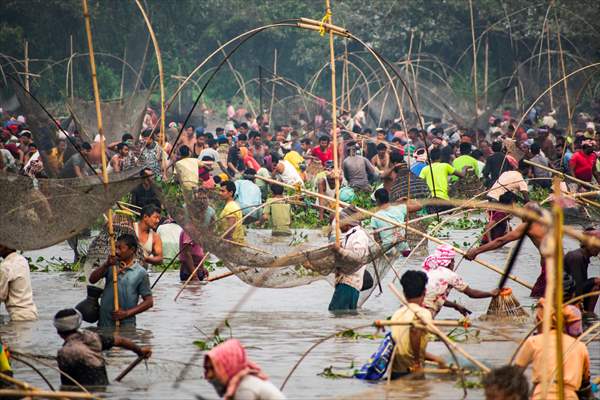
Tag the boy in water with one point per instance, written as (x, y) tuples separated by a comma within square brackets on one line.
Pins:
[(81, 354), (133, 283)]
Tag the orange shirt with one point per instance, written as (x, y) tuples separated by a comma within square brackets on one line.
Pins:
[(576, 364)]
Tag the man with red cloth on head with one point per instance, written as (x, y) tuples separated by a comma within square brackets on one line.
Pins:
[(583, 163), (234, 377)]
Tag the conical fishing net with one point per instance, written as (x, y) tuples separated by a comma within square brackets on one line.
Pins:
[(99, 250), (120, 116), (506, 306), (37, 213), (291, 262)]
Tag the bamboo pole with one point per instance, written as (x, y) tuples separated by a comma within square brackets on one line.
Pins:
[(400, 225), (452, 323), (475, 89), (191, 276), (434, 329), (563, 175), (270, 119), (111, 233), (565, 82), (122, 87), (161, 76), (549, 61), (71, 67), (17, 393), (416, 70), (558, 292), (547, 250), (27, 65), (486, 65), (408, 65), (347, 66), (336, 161), (129, 368)]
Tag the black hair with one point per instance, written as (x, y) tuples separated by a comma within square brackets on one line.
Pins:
[(381, 146), (230, 186), (435, 154), (129, 239), (507, 197), (465, 149), (143, 172), (277, 189), (147, 133), (509, 380), (207, 158), (535, 148), (306, 141), (210, 142), (244, 125), (324, 138), (86, 146), (219, 129), (396, 157), (413, 283), (66, 312), (126, 137), (497, 147), (254, 134), (184, 151), (217, 179), (274, 158), (382, 196), (242, 137), (121, 145), (148, 210), (477, 154)]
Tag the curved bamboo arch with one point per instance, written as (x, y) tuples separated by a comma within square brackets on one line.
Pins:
[(160, 72)]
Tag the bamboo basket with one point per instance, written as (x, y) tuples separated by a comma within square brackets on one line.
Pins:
[(467, 187), (506, 306)]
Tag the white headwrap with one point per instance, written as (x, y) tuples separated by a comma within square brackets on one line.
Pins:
[(68, 323)]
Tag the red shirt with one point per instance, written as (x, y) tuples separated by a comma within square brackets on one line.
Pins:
[(324, 156), (583, 165)]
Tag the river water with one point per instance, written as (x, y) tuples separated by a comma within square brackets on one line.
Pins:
[(277, 326)]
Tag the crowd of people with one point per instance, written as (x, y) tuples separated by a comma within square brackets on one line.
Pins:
[(248, 164)]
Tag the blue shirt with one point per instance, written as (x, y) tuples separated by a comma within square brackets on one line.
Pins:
[(133, 283), (395, 213), (417, 167), (248, 196)]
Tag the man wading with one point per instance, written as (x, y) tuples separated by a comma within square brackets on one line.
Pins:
[(81, 354), (133, 283)]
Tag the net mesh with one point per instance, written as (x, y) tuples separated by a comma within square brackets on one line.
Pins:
[(37, 213), (290, 262), (120, 116)]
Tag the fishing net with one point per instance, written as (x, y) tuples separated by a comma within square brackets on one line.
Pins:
[(99, 249), (37, 213), (506, 306), (120, 116), (408, 184), (467, 187), (291, 263)]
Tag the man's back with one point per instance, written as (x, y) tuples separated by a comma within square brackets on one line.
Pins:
[(356, 171), (438, 183), (187, 172), (493, 165), (465, 161), (15, 288), (81, 358)]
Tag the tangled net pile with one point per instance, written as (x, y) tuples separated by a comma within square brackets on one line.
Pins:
[(37, 213)]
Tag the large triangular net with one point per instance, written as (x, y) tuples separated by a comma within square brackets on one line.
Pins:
[(120, 116), (266, 261), (37, 213)]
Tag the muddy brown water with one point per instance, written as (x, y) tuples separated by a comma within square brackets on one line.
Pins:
[(277, 326)]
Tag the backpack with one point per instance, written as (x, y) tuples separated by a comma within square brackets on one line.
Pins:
[(376, 366)]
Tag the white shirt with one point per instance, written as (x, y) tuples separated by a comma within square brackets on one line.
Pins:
[(253, 388), (15, 288), (356, 242), (290, 175)]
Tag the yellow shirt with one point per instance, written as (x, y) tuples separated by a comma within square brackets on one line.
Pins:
[(295, 159), (187, 172), (404, 357), (233, 210)]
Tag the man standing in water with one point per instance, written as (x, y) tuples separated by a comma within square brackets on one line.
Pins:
[(145, 231), (133, 283), (231, 215), (81, 354), (354, 245), (535, 231), (15, 286)]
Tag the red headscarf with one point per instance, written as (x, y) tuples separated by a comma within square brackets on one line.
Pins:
[(231, 364)]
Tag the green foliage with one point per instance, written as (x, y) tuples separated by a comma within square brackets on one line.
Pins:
[(54, 264), (214, 340), (352, 334), (539, 194), (332, 372)]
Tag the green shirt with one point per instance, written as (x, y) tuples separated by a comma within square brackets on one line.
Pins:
[(465, 161), (441, 171), (279, 214), (395, 213)]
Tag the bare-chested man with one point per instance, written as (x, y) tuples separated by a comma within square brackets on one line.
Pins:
[(535, 232)]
